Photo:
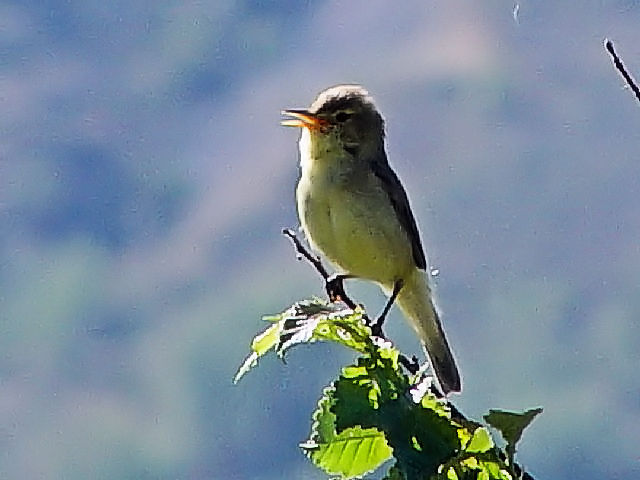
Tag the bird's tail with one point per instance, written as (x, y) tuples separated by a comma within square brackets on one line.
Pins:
[(417, 305)]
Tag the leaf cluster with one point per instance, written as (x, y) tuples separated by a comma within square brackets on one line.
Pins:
[(375, 412)]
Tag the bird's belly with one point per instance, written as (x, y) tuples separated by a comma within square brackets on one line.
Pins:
[(357, 232)]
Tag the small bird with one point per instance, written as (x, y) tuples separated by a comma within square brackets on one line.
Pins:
[(354, 210)]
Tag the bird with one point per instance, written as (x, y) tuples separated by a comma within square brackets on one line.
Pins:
[(354, 211)]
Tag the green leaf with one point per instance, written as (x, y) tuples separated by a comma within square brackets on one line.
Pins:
[(313, 320), (495, 471), (265, 341), (480, 442), (261, 344), (375, 393), (437, 405), (511, 424), (351, 453), (305, 322), (249, 362), (323, 428), (374, 410), (451, 474)]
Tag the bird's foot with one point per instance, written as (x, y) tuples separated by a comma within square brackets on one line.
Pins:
[(376, 328), (334, 285)]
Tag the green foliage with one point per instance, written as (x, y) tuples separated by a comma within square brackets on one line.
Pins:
[(351, 453), (308, 321), (374, 411), (511, 425)]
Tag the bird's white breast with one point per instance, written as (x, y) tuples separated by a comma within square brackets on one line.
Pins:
[(346, 214)]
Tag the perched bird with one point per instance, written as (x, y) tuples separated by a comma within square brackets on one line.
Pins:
[(354, 210)]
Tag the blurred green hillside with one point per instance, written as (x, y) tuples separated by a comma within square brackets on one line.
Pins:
[(144, 181)]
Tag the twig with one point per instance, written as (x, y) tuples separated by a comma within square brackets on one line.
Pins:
[(315, 261), (333, 284), (608, 44)]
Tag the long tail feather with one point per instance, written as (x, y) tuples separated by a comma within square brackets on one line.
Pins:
[(415, 302)]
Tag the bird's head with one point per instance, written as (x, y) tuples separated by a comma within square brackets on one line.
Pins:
[(344, 114)]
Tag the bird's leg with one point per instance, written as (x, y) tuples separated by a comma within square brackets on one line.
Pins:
[(334, 285), (303, 252), (376, 328)]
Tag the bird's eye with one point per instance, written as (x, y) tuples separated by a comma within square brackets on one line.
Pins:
[(343, 116)]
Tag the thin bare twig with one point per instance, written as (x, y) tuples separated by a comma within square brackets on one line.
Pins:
[(608, 44), (333, 284), (315, 261)]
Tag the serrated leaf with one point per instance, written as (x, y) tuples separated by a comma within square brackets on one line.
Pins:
[(494, 470), (308, 321), (375, 394), (345, 326), (451, 474), (295, 331), (265, 341), (249, 362), (511, 424), (261, 344), (480, 442), (464, 436), (431, 402), (323, 428), (352, 453), (375, 410), (313, 320)]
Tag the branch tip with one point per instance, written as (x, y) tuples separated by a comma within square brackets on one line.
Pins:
[(302, 252), (617, 62), (333, 283)]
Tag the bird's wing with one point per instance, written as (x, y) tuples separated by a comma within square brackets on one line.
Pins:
[(398, 197)]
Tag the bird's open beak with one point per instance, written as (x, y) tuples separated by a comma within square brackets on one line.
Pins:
[(302, 118)]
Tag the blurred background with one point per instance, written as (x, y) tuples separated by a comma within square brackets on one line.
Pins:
[(144, 182)]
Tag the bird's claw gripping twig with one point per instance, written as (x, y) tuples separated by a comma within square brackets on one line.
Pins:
[(334, 284)]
